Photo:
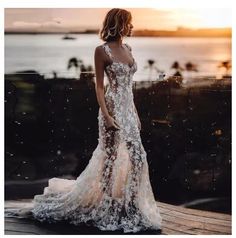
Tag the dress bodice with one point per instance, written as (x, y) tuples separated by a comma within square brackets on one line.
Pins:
[(119, 73), (119, 96)]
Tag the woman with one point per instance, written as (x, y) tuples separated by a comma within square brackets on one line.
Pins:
[(114, 190)]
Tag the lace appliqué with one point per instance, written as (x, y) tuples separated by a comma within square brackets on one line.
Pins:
[(114, 191)]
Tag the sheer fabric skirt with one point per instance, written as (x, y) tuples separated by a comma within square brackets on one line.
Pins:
[(112, 193)]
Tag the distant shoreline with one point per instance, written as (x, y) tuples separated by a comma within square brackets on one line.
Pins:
[(180, 32)]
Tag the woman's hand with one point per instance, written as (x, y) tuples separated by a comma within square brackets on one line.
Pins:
[(112, 123)]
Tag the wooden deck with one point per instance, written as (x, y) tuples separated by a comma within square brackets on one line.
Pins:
[(176, 221)]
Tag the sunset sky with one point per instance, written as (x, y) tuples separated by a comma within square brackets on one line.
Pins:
[(91, 18)]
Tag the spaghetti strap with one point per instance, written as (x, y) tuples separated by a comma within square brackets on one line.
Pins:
[(107, 50), (127, 46)]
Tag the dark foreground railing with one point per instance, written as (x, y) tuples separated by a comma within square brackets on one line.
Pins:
[(51, 129)]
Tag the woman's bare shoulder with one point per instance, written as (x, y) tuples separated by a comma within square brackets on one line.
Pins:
[(100, 52), (99, 49)]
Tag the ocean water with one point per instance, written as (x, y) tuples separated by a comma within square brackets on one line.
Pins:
[(47, 53)]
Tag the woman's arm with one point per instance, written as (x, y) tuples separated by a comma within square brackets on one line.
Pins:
[(99, 83), (99, 61)]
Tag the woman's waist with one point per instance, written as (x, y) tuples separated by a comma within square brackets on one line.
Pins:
[(121, 99), (119, 92)]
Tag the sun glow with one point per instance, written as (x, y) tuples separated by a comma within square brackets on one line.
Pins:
[(216, 18), (201, 17)]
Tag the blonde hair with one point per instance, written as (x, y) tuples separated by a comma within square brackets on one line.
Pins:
[(115, 24)]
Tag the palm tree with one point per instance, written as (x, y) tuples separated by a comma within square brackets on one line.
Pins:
[(151, 65), (177, 75), (227, 66), (190, 67), (75, 63), (87, 74), (178, 68), (54, 74)]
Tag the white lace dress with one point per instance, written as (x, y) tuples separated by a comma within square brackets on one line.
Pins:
[(114, 191)]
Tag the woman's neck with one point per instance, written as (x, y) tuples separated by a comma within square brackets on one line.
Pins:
[(117, 43)]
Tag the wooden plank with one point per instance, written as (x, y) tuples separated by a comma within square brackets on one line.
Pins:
[(176, 220), (9, 232), (17, 220), (184, 230), (218, 228), (195, 231), (167, 231), (167, 228), (197, 218), (27, 228), (188, 230), (197, 224), (195, 211), (179, 229), (226, 230)]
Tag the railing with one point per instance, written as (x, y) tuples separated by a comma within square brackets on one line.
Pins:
[(51, 130)]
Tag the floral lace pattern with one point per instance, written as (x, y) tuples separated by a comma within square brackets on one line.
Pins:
[(114, 190)]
